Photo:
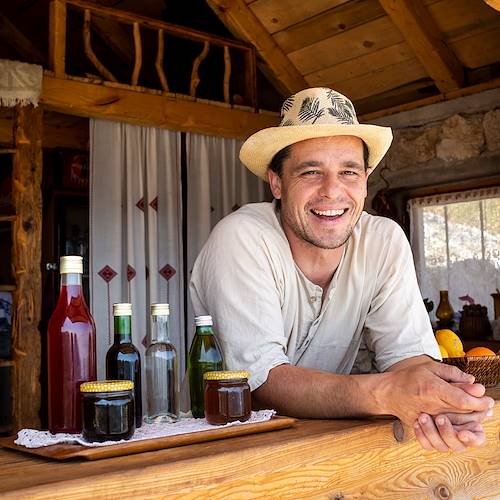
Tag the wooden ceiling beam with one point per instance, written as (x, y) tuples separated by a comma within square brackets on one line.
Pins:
[(149, 108), (243, 24), (425, 39), (13, 37)]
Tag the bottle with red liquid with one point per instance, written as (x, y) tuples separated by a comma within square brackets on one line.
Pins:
[(70, 351)]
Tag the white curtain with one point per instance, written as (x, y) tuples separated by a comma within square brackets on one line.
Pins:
[(217, 184), (136, 230), (455, 239)]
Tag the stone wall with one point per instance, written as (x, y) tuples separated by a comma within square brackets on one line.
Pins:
[(443, 143)]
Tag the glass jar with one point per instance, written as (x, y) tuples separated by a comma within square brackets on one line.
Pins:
[(227, 397), (108, 410)]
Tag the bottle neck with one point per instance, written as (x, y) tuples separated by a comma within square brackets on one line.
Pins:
[(123, 329), (71, 288), (71, 280), (204, 330), (160, 331)]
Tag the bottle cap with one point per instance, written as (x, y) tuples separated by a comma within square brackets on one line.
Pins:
[(71, 264), (225, 375), (160, 309), (124, 309), (203, 321), (107, 386)]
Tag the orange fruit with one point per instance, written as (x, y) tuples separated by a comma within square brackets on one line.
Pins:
[(480, 351)]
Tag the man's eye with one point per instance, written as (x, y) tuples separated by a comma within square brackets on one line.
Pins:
[(350, 172), (310, 172)]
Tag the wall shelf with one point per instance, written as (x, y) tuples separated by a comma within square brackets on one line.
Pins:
[(8, 151), (7, 218)]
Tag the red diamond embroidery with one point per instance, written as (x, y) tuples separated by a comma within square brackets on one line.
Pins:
[(167, 271), (107, 273), (130, 273), (144, 341), (140, 204), (154, 204)]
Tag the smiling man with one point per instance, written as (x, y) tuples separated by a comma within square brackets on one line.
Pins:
[(297, 286)]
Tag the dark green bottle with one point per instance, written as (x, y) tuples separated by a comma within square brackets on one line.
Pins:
[(205, 355), (123, 361)]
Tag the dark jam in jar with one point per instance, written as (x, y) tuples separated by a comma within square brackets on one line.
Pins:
[(108, 410), (227, 397)]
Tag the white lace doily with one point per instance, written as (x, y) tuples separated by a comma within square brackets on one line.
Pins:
[(31, 438)]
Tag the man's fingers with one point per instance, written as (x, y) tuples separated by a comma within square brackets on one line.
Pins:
[(451, 373), (430, 431), (463, 418), (448, 434), (476, 390), (472, 439), (460, 401), (424, 442)]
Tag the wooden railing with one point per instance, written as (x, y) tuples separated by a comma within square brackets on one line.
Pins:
[(57, 48)]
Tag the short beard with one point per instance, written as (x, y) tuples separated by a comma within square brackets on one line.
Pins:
[(317, 242)]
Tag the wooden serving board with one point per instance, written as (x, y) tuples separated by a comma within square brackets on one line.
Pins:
[(67, 451)]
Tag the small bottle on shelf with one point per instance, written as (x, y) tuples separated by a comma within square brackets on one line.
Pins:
[(204, 355), (71, 357), (123, 361), (162, 381)]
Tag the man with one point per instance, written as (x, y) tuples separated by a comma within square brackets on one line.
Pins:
[(296, 286)]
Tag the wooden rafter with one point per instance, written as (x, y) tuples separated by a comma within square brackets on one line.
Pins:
[(10, 35), (243, 23), (150, 108), (115, 37), (423, 36)]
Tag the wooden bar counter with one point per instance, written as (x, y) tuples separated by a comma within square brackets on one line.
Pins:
[(340, 459)]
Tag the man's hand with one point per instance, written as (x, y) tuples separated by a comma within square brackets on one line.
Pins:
[(452, 406)]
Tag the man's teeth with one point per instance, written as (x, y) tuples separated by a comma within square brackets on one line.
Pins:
[(329, 213)]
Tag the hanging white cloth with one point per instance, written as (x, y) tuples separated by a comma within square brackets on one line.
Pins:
[(20, 83), (218, 184), (455, 240), (136, 230)]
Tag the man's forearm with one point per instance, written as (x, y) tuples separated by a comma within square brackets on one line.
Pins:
[(306, 393)]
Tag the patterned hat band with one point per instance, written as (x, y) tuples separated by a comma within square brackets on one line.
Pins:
[(309, 114), (326, 107)]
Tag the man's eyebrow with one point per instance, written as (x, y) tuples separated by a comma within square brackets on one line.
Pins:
[(307, 164), (354, 165)]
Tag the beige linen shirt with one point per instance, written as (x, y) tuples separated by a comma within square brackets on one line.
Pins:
[(267, 313)]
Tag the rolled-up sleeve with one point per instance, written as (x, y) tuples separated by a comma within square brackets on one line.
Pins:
[(397, 324), (235, 279)]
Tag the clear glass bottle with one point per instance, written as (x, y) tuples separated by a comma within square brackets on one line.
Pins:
[(71, 356), (162, 379), (205, 355), (123, 361)]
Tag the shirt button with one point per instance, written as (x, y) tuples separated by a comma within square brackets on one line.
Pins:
[(313, 299)]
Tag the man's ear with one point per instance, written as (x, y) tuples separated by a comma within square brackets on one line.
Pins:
[(274, 183)]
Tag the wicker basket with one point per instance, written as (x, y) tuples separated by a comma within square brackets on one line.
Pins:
[(486, 369)]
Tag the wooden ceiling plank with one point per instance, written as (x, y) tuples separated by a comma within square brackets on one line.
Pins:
[(359, 41), (116, 102), (240, 20), (337, 20), (276, 15), (479, 50), (366, 63), (381, 80), (423, 36), (12, 36), (115, 36)]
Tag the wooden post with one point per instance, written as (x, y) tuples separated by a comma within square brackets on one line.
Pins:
[(138, 53), (195, 78), (26, 262), (57, 37), (159, 62), (227, 73)]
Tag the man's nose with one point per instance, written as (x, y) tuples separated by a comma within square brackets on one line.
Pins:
[(331, 186)]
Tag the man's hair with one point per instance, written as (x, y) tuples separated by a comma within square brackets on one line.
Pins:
[(276, 164)]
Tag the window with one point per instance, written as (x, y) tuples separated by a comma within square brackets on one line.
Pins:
[(456, 245)]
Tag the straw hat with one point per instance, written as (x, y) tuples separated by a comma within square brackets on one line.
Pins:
[(311, 113)]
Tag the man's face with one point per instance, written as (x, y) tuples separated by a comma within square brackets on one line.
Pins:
[(322, 190)]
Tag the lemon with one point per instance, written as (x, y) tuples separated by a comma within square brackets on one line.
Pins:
[(451, 342), (443, 351)]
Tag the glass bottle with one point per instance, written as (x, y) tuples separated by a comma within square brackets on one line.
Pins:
[(162, 381), (444, 311), (71, 356), (123, 361), (205, 355)]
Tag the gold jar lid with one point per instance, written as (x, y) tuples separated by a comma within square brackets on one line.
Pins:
[(107, 386), (225, 375), (71, 264)]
